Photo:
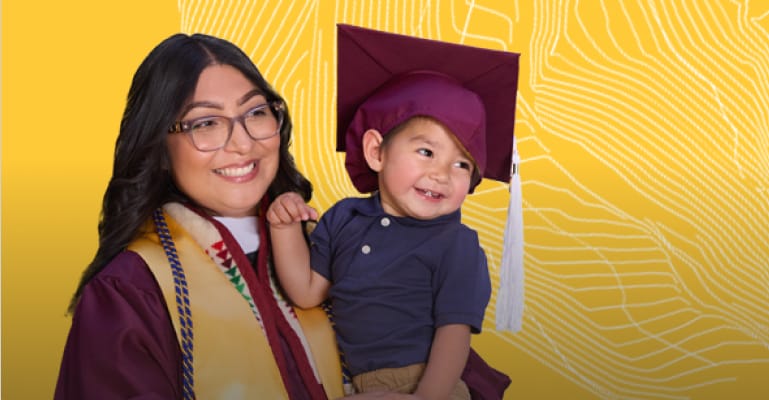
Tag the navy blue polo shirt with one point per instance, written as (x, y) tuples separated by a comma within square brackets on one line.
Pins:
[(396, 279)]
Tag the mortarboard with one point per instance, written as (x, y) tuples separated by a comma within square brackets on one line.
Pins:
[(383, 79)]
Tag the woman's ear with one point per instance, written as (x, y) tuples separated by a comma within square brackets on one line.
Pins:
[(372, 149)]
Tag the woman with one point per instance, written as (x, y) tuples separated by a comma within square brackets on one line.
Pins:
[(178, 301)]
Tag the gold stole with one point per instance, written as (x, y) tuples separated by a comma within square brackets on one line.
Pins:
[(232, 358)]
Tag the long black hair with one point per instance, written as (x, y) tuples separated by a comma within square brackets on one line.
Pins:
[(141, 180)]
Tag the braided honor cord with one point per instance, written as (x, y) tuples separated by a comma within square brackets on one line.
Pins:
[(182, 303)]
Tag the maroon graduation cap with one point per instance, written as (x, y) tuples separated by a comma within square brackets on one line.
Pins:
[(383, 79)]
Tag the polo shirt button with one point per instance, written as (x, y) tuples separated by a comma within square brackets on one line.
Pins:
[(365, 249), (385, 221)]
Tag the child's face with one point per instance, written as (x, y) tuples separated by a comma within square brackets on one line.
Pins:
[(424, 172)]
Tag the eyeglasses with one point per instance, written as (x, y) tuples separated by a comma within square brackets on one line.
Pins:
[(214, 132)]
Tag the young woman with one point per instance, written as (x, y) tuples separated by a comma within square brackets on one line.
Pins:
[(179, 301)]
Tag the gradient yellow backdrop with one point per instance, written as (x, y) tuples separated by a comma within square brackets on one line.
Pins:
[(642, 126)]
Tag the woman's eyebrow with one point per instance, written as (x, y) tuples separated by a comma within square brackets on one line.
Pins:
[(209, 104), (246, 97), (198, 104)]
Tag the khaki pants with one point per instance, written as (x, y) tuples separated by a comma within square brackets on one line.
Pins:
[(400, 380)]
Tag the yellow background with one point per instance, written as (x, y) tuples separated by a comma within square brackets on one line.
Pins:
[(644, 135)]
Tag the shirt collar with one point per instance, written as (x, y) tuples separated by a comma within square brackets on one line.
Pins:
[(372, 207)]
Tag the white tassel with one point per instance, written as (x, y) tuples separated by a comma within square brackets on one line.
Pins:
[(509, 309)]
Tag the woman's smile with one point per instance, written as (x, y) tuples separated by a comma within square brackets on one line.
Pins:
[(237, 172)]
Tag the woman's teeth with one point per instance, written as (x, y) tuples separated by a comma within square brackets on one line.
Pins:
[(235, 171)]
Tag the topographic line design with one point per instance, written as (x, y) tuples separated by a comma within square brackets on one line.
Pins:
[(644, 136)]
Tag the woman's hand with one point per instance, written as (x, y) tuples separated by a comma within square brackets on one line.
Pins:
[(289, 208)]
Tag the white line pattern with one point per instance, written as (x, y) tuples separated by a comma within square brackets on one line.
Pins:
[(644, 135)]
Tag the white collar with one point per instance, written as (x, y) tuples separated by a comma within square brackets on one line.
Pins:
[(244, 230)]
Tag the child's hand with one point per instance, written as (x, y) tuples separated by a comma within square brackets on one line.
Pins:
[(289, 208)]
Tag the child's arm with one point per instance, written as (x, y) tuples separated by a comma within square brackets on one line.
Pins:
[(448, 356), (305, 287)]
